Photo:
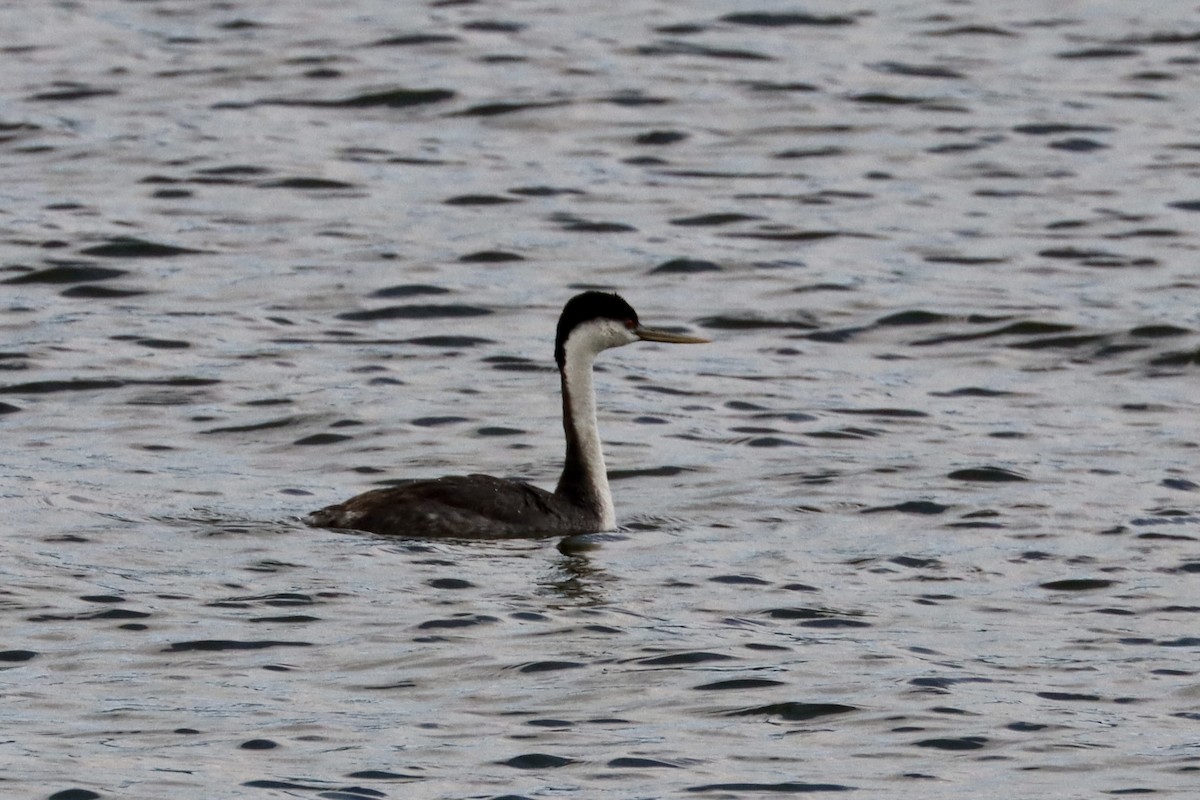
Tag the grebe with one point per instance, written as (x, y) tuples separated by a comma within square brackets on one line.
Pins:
[(480, 506)]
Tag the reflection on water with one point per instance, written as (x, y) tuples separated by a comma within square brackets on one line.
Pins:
[(923, 519), (576, 580)]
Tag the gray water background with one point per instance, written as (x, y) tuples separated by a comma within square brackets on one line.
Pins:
[(921, 522)]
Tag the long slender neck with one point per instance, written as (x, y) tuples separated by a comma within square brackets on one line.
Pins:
[(584, 480)]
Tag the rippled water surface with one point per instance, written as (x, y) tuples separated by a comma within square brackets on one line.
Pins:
[(922, 521)]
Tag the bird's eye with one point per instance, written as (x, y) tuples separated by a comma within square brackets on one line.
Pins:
[(631, 324)]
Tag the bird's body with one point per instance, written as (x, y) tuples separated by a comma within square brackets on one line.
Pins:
[(481, 506), (470, 506)]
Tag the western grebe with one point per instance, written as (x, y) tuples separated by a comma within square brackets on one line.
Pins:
[(482, 506)]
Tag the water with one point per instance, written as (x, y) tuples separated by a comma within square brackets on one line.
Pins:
[(921, 521)]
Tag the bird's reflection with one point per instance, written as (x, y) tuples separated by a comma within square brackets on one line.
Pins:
[(573, 576)]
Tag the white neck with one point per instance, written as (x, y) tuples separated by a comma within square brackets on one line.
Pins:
[(585, 469)]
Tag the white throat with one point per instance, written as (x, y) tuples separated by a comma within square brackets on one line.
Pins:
[(580, 352)]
